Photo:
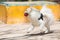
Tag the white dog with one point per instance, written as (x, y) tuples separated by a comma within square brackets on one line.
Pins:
[(42, 18)]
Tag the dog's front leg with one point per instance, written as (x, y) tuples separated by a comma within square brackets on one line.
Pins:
[(33, 30), (30, 29)]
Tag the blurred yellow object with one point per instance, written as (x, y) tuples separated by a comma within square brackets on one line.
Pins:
[(15, 14), (38, 7), (3, 13)]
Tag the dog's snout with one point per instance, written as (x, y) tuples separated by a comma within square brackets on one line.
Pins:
[(25, 14)]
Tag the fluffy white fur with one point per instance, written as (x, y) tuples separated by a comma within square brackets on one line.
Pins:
[(34, 14)]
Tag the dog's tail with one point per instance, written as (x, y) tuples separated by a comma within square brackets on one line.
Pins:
[(48, 13)]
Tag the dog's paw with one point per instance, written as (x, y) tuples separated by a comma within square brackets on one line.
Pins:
[(47, 31)]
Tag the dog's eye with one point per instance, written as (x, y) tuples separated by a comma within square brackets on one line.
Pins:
[(25, 14)]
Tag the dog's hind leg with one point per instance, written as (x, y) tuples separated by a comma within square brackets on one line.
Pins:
[(48, 28)]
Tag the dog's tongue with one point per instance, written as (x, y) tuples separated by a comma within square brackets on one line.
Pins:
[(26, 14)]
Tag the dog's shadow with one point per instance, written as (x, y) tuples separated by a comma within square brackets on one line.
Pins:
[(39, 34)]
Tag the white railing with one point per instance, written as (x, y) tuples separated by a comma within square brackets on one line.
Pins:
[(27, 3)]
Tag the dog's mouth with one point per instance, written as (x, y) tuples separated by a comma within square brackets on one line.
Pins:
[(26, 14)]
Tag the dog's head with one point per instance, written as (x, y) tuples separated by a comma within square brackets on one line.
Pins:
[(27, 11), (32, 12)]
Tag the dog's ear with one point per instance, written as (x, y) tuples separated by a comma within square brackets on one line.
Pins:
[(29, 10)]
